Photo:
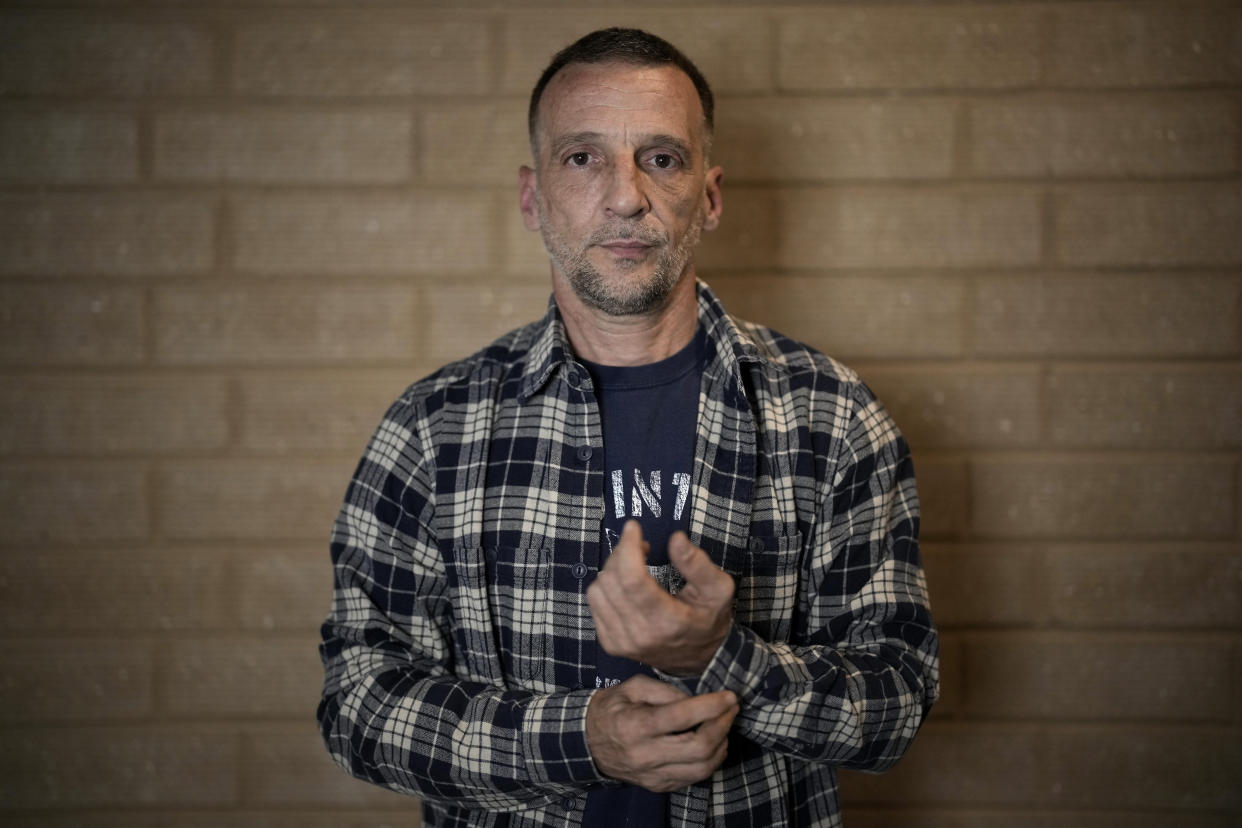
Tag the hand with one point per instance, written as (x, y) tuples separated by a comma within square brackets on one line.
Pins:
[(653, 735), (635, 618)]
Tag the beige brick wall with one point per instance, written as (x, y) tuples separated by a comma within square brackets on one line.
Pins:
[(231, 233)]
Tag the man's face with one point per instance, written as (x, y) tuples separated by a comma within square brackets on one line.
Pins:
[(621, 190)]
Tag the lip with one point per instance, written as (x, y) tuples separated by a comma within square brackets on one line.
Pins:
[(626, 247)]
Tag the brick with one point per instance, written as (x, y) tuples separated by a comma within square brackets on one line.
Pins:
[(243, 499), (41, 325), (464, 318), (110, 235), (949, 406), (993, 764), (855, 316), (318, 411), (952, 675), (85, 415), (1114, 44), (524, 253), (730, 47), (908, 48), (1096, 677), (68, 147), (284, 589), (1145, 406), (240, 677), (1105, 135), (40, 503), (1122, 315), (986, 585), (1194, 224), (69, 54), (88, 590), (822, 140), (944, 496), (874, 227), (1103, 497), (115, 766), (64, 680), (474, 144), (1149, 768), (287, 764), (366, 53), (1116, 766), (1145, 586), (290, 324), (425, 231), (284, 146)]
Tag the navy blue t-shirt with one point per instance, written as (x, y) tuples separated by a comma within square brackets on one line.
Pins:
[(650, 416)]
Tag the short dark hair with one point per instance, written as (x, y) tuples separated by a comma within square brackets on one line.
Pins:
[(626, 46)]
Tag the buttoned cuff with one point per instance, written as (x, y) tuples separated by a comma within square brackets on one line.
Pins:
[(739, 664), (554, 743)]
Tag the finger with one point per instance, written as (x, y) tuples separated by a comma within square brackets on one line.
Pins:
[(647, 690), (717, 729), (610, 627), (693, 562), (671, 776), (691, 712), (693, 746), (629, 556)]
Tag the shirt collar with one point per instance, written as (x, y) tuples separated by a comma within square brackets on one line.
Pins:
[(733, 345)]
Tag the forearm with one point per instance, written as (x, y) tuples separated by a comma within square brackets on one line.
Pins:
[(409, 726), (852, 706)]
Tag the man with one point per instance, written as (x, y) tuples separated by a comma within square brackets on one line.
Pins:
[(638, 562)]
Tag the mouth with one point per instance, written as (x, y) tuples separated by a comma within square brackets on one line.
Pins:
[(627, 248)]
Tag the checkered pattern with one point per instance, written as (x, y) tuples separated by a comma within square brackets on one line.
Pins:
[(460, 643)]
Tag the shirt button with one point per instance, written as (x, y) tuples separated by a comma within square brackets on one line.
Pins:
[(567, 804), (585, 452), (573, 378), (578, 570), (756, 545)]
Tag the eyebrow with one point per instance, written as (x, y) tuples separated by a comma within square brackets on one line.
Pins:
[(565, 141)]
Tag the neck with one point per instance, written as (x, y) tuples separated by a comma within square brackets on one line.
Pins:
[(630, 340)]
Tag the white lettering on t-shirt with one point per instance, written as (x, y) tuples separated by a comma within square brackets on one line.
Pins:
[(648, 493), (682, 481), (642, 493), (618, 493)]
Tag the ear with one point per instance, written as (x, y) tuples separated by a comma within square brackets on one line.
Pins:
[(526, 197), (715, 202)]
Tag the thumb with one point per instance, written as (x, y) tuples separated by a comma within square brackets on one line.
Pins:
[(643, 688), (691, 561)]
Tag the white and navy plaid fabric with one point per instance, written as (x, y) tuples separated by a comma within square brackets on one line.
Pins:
[(460, 653)]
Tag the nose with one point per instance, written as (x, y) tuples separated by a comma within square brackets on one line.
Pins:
[(626, 197)]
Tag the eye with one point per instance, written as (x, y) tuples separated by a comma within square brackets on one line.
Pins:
[(578, 159), (664, 161)]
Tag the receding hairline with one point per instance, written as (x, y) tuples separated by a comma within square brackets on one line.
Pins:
[(633, 47), (704, 122)]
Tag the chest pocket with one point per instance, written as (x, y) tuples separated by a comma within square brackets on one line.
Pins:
[(523, 609), (768, 576)]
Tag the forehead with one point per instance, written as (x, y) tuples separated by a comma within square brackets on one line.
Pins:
[(612, 98)]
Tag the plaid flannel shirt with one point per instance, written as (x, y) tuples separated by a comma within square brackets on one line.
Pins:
[(459, 653)]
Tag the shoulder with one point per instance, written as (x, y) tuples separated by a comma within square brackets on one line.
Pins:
[(490, 373), (800, 366)]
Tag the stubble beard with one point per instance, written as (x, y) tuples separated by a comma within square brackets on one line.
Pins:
[(631, 299)]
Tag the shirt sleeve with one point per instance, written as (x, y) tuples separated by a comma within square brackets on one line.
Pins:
[(392, 711), (854, 686)]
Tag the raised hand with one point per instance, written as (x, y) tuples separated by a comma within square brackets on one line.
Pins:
[(635, 618)]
